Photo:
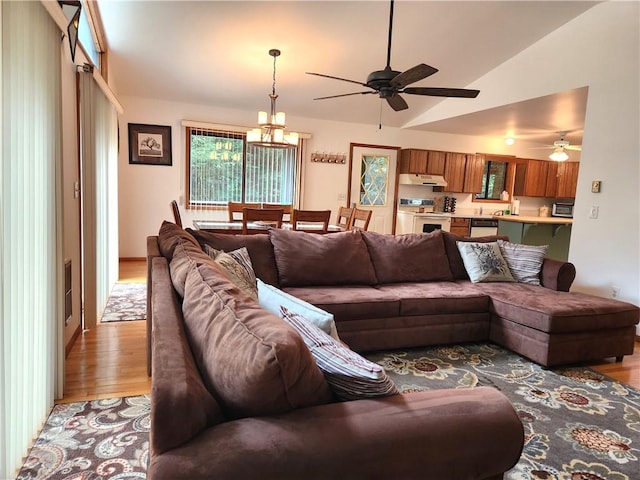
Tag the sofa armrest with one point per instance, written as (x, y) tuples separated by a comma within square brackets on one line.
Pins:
[(181, 406), (153, 250), (434, 435), (557, 275)]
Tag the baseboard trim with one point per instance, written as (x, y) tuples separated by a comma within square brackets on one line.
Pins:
[(133, 259), (72, 341)]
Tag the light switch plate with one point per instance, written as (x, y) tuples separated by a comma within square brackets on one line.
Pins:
[(593, 212)]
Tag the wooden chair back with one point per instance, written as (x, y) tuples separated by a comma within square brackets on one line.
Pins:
[(344, 218), (176, 213), (235, 210), (288, 209), (314, 221), (360, 219), (271, 218)]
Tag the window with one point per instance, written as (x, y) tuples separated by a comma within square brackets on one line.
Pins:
[(494, 180), (373, 180), (222, 167)]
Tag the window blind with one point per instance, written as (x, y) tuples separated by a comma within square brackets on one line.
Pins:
[(31, 266)]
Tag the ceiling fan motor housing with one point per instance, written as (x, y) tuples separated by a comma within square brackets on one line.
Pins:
[(380, 80)]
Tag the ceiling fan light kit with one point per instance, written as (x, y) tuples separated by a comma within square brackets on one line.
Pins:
[(559, 155), (389, 83), (271, 131)]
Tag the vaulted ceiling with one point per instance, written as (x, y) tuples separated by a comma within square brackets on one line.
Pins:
[(216, 53)]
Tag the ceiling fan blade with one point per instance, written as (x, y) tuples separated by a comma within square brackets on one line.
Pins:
[(396, 102), (574, 147), (442, 92), (413, 75), (336, 78), (345, 95)]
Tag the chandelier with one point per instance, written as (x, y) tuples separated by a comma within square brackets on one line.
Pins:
[(271, 132)]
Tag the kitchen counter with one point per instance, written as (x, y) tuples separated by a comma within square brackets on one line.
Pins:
[(532, 219)]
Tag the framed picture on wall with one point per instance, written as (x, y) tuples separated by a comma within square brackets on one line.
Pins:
[(149, 144)]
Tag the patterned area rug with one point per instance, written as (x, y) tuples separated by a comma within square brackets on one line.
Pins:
[(128, 301), (579, 425), (97, 440)]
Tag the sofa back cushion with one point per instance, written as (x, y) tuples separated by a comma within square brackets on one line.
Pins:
[(314, 259), (455, 259), (259, 248), (184, 256), (250, 360), (408, 258), (171, 235)]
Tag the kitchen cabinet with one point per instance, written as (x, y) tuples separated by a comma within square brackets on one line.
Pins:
[(454, 168), (562, 179), (413, 160), (531, 178), (460, 226), (474, 171)]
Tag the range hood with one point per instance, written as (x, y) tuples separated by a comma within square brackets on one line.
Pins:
[(422, 179)]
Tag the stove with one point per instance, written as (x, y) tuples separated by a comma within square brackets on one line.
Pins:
[(416, 215)]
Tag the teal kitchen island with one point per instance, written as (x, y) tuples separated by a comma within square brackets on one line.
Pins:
[(552, 231)]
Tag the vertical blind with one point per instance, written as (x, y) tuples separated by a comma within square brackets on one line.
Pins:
[(99, 163), (31, 267)]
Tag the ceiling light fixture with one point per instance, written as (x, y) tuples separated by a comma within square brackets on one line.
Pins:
[(509, 141), (271, 132), (559, 155)]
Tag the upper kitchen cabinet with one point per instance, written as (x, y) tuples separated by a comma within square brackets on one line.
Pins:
[(531, 178), (474, 172), (454, 168), (562, 179), (413, 160)]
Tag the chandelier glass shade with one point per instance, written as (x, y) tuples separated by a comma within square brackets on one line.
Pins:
[(559, 155), (272, 126)]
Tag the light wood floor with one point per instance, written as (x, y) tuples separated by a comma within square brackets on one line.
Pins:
[(110, 360)]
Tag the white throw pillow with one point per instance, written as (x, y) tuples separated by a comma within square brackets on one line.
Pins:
[(484, 262), (525, 261), (272, 299), (350, 376)]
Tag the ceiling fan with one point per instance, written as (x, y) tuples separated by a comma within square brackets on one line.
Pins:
[(559, 147), (389, 83)]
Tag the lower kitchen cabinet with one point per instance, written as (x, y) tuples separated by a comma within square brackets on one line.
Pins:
[(556, 235), (460, 226)]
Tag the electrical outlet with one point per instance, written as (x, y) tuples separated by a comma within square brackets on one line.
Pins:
[(615, 291), (342, 197), (593, 212)]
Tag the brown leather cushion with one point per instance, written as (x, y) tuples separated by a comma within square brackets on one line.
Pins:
[(455, 259), (171, 235), (250, 360), (259, 248), (314, 259), (408, 258)]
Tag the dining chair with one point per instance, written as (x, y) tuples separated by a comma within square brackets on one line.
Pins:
[(360, 215), (344, 218), (176, 213), (235, 210), (288, 209), (314, 221), (267, 218)]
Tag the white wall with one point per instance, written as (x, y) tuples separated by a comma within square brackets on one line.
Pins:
[(598, 49)]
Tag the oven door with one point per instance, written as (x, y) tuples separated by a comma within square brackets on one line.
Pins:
[(430, 224)]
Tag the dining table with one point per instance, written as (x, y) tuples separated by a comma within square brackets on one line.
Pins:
[(221, 226)]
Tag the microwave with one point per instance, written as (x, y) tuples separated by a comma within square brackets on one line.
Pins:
[(562, 209)]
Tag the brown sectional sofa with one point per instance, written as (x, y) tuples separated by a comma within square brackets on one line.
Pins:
[(426, 298)]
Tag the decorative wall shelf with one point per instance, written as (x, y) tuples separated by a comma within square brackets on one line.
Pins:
[(328, 157)]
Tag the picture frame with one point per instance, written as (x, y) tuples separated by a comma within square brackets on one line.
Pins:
[(150, 144)]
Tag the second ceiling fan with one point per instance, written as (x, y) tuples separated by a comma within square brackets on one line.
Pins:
[(389, 83)]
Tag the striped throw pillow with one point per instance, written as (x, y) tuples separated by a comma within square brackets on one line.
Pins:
[(524, 261), (350, 376)]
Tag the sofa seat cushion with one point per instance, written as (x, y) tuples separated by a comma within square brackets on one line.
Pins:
[(259, 248), (350, 302), (437, 298), (408, 258), (251, 361), (313, 259), (557, 312)]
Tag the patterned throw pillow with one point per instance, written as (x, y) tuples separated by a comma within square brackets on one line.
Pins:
[(350, 376), (237, 265), (525, 261), (272, 298), (484, 262)]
